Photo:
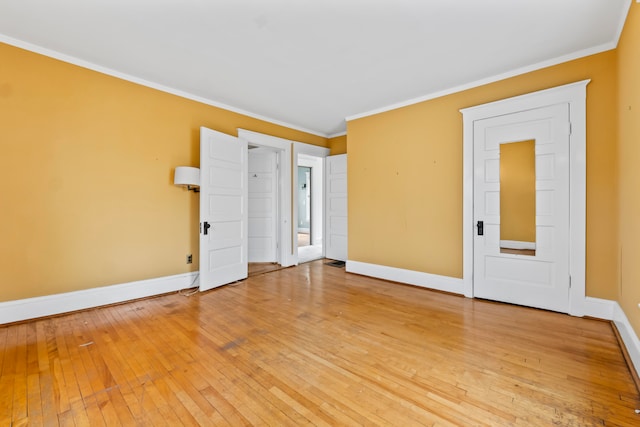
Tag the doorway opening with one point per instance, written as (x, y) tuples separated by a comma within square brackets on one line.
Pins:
[(263, 209), (309, 207), (304, 206)]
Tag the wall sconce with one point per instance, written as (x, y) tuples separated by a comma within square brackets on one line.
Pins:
[(186, 176)]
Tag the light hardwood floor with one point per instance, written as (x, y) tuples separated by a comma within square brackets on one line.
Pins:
[(256, 268), (314, 345)]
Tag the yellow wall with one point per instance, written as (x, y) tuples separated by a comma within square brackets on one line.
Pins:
[(518, 191), (338, 145), (405, 175), (629, 173), (86, 193)]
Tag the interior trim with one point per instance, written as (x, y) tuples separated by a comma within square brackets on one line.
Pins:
[(147, 83), (628, 335), (531, 68), (410, 277), (611, 310), (50, 305), (575, 95)]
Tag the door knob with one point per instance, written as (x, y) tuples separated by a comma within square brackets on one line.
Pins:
[(206, 228), (480, 226)]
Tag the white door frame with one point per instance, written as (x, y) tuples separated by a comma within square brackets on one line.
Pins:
[(317, 196), (287, 157), (575, 95), (308, 150)]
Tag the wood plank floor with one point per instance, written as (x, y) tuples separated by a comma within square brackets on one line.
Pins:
[(314, 345), (256, 268)]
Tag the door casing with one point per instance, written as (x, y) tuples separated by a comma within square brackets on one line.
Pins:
[(575, 95), (288, 159)]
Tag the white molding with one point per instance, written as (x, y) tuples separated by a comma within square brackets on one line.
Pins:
[(310, 150), (540, 65), (128, 77), (416, 278), (317, 197), (575, 95), (343, 133), (611, 310), (289, 151), (265, 140), (49, 305), (284, 147), (628, 335), (599, 308), (515, 244), (527, 101)]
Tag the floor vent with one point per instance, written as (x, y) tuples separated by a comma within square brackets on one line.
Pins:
[(338, 264)]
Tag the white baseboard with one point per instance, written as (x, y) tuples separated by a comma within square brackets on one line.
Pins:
[(416, 278), (611, 310), (32, 308), (628, 335), (593, 307), (599, 308)]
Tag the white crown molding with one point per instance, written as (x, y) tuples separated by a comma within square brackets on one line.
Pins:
[(493, 79), (49, 305), (410, 277), (343, 133), (114, 73), (623, 19)]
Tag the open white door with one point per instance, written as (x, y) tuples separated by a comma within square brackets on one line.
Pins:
[(263, 205), (336, 208), (223, 209)]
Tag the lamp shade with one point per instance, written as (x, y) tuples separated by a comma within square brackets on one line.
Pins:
[(186, 175)]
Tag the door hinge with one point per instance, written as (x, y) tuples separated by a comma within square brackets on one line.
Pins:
[(569, 282), (569, 128)]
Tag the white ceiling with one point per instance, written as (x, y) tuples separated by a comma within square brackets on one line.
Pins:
[(309, 64)]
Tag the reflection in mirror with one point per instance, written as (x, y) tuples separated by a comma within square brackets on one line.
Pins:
[(518, 198)]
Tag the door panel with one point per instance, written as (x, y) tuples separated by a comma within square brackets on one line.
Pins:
[(223, 205), (336, 208), (263, 203), (540, 277)]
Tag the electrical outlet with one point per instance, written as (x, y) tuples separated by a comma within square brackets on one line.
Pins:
[(189, 259)]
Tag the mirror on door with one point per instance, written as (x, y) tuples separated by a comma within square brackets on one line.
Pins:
[(518, 198)]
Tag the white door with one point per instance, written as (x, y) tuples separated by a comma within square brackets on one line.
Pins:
[(336, 207), (223, 209), (536, 274), (263, 204)]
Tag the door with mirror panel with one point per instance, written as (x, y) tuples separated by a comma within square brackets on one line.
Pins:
[(521, 208)]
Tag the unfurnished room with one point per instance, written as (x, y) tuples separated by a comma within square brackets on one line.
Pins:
[(296, 212)]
